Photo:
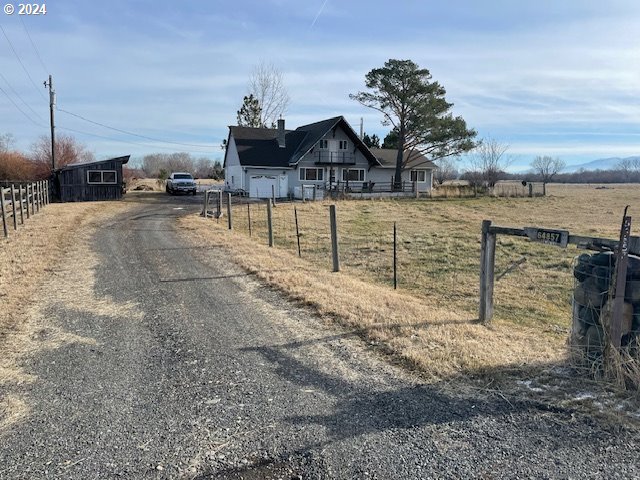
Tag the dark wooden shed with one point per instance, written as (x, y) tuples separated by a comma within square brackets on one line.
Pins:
[(91, 181)]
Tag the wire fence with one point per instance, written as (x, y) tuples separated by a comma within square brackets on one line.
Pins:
[(412, 258)]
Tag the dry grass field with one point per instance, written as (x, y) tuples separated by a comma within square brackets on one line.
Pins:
[(439, 245), (431, 320)]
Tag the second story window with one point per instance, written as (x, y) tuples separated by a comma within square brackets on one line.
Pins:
[(323, 144), (342, 145)]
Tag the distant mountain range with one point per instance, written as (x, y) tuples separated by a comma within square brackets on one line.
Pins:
[(600, 164), (610, 163)]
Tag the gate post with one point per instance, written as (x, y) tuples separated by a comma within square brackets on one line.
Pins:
[(487, 272)]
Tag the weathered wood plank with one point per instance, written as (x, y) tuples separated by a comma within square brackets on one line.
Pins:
[(3, 213)]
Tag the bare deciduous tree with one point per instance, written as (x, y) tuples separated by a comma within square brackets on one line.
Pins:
[(489, 160), (16, 166), (68, 150), (446, 170), (7, 142), (629, 164), (547, 167), (267, 86)]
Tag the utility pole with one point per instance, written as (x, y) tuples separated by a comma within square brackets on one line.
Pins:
[(52, 107)]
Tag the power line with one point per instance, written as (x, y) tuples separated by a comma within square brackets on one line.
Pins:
[(135, 134), (21, 99), (46, 70), (22, 64), (21, 111), (120, 141)]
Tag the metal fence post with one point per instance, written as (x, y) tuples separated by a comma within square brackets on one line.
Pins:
[(334, 238), (295, 213), (395, 257), (230, 223), (270, 222), (487, 272)]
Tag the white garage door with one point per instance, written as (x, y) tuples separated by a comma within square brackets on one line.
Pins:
[(260, 186)]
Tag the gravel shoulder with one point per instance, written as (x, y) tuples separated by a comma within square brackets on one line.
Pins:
[(158, 358)]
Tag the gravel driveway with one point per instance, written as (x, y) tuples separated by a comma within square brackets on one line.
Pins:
[(183, 366)]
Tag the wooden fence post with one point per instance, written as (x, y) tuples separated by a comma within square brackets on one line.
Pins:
[(229, 211), (219, 205), (13, 207), (270, 222), (21, 205), (33, 199), (46, 192), (249, 218), (334, 238), (4, 213), (530, 189), (487, 271), (26, 200), (273, 195), (205, 201)]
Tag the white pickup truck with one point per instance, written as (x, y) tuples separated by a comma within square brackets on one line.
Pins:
[(181, 182)]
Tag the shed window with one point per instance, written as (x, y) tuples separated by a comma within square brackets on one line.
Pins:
[(108, 177)]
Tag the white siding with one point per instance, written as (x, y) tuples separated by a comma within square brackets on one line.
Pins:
[(233, 173)]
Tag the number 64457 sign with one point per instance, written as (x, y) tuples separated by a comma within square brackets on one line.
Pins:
[(548, 236)]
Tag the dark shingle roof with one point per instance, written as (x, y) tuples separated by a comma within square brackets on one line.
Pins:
[(259, 146), (387, 158)]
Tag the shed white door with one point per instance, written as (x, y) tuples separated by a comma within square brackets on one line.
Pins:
[(260, 186)]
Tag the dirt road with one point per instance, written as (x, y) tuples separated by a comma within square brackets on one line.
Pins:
[(164, 360)]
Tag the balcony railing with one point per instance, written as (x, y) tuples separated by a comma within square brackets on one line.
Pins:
[(325, 157)]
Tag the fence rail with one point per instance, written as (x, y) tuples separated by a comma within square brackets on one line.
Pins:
[(19, 201)]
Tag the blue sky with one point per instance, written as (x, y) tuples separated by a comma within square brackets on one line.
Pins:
[(557, 78)]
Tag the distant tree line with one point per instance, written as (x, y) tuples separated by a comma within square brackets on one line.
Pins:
[(582, 176), (36, 163), (160, 165)]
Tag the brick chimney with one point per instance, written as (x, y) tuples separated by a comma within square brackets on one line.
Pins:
[(281, 133)]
